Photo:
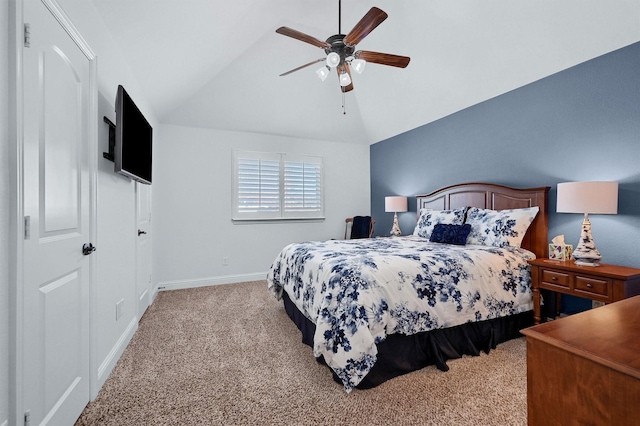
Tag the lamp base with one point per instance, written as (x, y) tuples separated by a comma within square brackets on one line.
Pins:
[(395, 229), (586, 253), (587, 262)]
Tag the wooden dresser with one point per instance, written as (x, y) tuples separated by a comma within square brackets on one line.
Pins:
[(584, 369)]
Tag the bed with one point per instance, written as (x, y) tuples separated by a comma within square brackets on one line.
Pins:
[(373, 309)]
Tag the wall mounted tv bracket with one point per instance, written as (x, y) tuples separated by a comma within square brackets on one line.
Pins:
[(112, 140)]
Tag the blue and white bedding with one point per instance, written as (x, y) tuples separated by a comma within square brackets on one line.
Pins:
[(357, 292)]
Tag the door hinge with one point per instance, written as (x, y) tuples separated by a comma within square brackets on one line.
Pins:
[(27, 227), (27, 418), (27, 35)]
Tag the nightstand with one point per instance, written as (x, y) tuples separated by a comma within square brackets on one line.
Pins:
[(604, 283)]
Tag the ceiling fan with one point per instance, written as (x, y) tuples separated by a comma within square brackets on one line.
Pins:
[(341, 52)]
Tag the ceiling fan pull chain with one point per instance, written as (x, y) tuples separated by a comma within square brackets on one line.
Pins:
[(344, 107)]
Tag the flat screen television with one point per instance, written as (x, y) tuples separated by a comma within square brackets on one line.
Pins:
[(133, 140)]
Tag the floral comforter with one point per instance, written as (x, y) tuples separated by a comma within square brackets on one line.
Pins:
[(357, 292)]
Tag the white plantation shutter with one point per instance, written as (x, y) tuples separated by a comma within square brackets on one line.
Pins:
[(258, 186), (277, 186)]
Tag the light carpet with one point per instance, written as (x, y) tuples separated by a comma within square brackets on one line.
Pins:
[(230, 355)]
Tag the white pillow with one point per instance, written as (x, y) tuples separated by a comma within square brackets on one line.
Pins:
[(430, 218), (499, 228)]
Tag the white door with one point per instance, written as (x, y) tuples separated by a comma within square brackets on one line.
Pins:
[(143, 247), (56, 273)]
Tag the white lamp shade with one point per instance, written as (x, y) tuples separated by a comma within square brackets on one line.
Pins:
[(358, 65), (395, 204), (333, 59), (323, 73), (588, 197), (345, 79)]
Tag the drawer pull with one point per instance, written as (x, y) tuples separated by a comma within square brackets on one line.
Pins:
[(589, 285), (554, 279)]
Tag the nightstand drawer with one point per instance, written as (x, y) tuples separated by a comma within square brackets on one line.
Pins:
[(592, 286), (555, 278)]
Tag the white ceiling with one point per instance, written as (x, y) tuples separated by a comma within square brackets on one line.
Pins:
[(216, 64)]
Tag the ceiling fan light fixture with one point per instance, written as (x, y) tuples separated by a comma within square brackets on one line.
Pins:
[(333, 59), (345, 80), (358, 65), (323, 73)]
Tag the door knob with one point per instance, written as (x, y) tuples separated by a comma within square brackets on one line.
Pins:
[(88, 248), (141, 232)]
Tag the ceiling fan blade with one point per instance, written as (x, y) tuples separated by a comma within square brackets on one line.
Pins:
[(303, 66), (303, 37), (368, 23), (383, 58), (340, 69)]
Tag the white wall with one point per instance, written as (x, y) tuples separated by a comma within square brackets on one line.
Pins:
[(116, 225), (192, 227), (4, 213)]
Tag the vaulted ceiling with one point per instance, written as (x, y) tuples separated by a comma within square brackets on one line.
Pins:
[(216, 64)]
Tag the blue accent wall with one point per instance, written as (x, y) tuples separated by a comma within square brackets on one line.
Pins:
[(580, 124)]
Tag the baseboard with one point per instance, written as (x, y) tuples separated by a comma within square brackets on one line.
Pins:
[(115, 353), (154, 294), (203, 282)]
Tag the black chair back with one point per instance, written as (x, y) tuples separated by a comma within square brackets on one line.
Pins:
[(362, 227)]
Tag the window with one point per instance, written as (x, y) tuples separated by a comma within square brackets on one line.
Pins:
[(277, 186)]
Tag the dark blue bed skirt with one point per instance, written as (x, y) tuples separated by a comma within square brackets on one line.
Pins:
[(400, 354)]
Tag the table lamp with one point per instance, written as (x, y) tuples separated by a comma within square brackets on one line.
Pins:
[(587, 197), (396, 205)]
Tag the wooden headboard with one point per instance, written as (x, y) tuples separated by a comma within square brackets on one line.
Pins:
[(496, 197)]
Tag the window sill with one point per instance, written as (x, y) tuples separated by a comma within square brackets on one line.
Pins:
[(243, 220)]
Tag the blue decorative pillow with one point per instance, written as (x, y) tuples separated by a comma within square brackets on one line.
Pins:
[(430, 218), (450, 234), (499, 228)]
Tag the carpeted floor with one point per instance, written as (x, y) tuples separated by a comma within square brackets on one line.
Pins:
[(227, 355)]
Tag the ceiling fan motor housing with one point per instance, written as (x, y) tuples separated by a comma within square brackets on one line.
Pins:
[(338, 46)]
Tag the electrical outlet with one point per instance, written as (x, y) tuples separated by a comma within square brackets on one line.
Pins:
[(119, 306), (225, 261)]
